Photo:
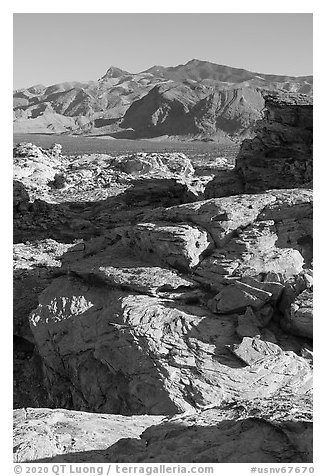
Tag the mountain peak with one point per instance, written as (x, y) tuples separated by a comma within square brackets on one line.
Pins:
[(196, 61), (113, 72)]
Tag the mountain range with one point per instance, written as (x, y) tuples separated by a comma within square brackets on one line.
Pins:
[(198, 100)]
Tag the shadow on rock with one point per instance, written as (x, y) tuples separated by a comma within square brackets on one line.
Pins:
[(200, 439), (69, 221)]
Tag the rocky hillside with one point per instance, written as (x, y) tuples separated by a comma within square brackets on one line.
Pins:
[(198, 100), (180, 322)]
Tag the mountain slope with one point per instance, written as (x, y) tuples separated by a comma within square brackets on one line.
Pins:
[(199, 99), (198, 70)]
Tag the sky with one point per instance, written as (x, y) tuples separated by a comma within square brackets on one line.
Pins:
[(50, 48)]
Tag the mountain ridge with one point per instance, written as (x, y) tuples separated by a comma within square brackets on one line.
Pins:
[(157, 101)]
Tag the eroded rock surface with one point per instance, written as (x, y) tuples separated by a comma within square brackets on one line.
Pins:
[(280, 155), (255, 431), (242, 432), (134, 324), (63, 435)]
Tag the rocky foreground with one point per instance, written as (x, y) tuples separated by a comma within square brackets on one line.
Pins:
[(150, 298)]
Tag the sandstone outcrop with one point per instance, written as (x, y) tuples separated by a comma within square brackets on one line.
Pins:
[(63, 435), (280, 155), (149, 290), (240, 432), (65, 196), (265, 431)]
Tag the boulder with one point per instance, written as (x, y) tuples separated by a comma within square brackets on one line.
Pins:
[(180, 246)]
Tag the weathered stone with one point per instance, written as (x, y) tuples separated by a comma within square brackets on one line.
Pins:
[(117, 266), (280, 156), (252, 324), (62, 435), (224, 184), (56, 150), (248, 324), (34, 266), (236, 432), (180, 246), (298, 318), (170, 164), (221, 217), (254, 350), (267, 431), (35, 168), (253, 251), (112, 351), (21, 200), (238, 296)]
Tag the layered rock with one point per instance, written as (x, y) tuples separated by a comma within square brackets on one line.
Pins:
[(225, 183), (265, 431), (62, 435), (255, 431), (280, 155), (134, 325), (48, 175), (66, 198)]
